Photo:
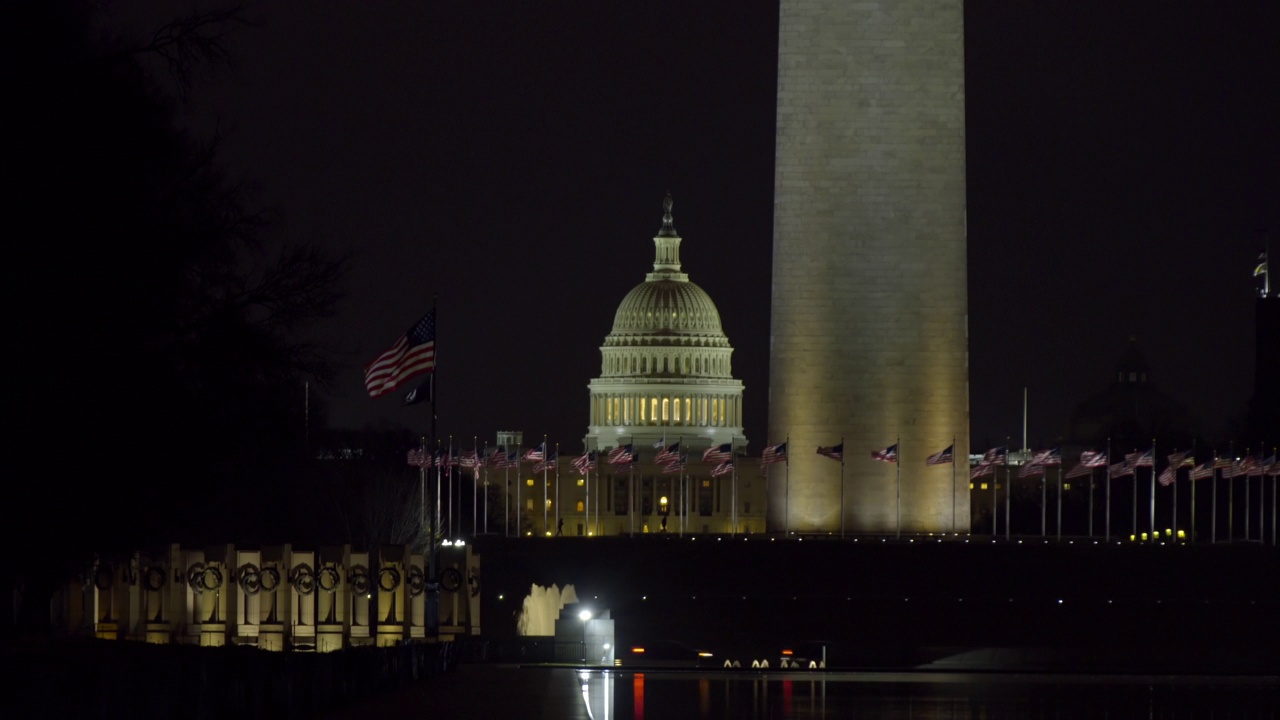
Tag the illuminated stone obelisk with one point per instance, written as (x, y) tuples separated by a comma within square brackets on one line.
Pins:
[(869, 327)]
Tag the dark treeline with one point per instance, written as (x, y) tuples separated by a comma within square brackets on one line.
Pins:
[(156, 374)]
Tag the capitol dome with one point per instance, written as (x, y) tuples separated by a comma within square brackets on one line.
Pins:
[(665, 366)]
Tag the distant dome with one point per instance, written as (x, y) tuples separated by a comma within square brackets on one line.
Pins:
[(667, 308), (666, 368)]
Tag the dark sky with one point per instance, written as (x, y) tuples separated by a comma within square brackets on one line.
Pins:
[(511, 157)]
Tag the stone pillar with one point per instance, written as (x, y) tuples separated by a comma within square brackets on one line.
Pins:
[(360, 594), (389, 587), (332, 598), (869, 303)]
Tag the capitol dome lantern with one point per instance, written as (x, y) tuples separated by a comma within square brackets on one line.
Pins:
[(665, 367)]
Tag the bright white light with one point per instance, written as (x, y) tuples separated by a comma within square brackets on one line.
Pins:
[(460, 543), (585, 615), (606, 646), (447, 543)]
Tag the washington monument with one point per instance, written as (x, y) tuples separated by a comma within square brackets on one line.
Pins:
[(869, 329)]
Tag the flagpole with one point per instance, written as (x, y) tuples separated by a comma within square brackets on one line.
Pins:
[(1133, 531), (1008, 492), (1247, 453), (518, 459), (1044, 505), (953, 484), (1059, 498), (475, 498), (1091, 502), (1213, 507), (1193, 492), (995, 499), (556, 459), (631, 488), (786, 507), (1231, 496), (897, 449), (422, 485), (1108, 515), (841, 487), (546, 529), (1153, 490)]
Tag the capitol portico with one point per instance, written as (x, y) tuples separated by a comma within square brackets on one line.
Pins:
[(666, 372)]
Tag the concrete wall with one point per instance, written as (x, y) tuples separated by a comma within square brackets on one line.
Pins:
[(869, 327)]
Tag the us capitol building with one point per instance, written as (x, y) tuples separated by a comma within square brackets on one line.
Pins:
[(666, 377)]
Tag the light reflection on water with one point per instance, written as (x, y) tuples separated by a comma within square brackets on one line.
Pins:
[(610, 695)]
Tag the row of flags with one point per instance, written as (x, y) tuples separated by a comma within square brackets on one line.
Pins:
[(673, 460)]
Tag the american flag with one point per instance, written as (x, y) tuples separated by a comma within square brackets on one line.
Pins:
[(995, 456), (1124, 467), (535, 454), (621, 455), (454, 460), (419, 458), (1220, 463), (718, 453), (942, 457), (668, 454), (723, 468), (1079, 471), (1270, 467), (1093, 459), (1146, 459), (1181, 459), (675, 466), (509, 460), (1031, 470), (411, 355), (585, 462), (548, 463), (1047, 457), (774, 454), (498, 458), (469, 459), (980, 469), (835, 452), (1169, 475), (1251, 465), (1203, 470), (889, 454)]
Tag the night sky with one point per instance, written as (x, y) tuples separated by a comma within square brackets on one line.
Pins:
[(511, 157)]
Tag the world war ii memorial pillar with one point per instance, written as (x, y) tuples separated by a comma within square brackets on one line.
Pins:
[(869, 327)]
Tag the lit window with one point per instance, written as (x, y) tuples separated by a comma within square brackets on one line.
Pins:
[(581, 482), (662, 501), (984, 486), (970, 486), (653, 410), (529, 482), (581, 506), (528, 504), (665, 408), (1066, 486), (548, 503)]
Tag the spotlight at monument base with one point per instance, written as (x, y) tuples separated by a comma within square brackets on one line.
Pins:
[(585, 615)]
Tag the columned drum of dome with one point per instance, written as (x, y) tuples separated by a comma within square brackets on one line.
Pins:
[(868, 335), (665, 366)]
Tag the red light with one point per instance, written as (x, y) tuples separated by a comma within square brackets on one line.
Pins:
[(638, 650), (786, 652)]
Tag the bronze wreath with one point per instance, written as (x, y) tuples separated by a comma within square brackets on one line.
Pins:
[(416, 582), (358, 579), (450, 579), (195, 573), (393, 574), (250, 578), (211, 578), (270, 579), (329, 578), (303, 579), (153, 578)]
